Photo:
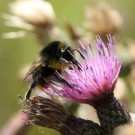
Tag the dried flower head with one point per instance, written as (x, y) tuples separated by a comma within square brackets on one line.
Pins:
[(45, 112), (98, 76), (103, 20), (31, 15), (48, 113), (34, 12)]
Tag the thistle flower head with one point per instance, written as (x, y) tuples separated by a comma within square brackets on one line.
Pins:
[(98, 76)]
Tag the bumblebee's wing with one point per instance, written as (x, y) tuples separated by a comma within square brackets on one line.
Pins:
[(35, 65)]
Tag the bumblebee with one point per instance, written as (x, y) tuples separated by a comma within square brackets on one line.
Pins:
[(52, 61)]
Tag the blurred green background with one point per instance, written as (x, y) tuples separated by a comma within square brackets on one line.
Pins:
[(16, 53)]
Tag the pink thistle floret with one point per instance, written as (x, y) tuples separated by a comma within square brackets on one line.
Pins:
[(98, 76)]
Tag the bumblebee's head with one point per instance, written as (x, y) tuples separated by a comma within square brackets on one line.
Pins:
[(67, 54), (50, 50), (60, 51)]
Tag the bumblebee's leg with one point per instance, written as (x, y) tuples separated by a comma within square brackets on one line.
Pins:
[(80, 52), (64, 81), (75, 61), (43, 83), (27, 95), (63, 61), (39, 82), (59, 78)]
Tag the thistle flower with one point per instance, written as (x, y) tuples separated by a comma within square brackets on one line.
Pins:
[(95, 83), (48, 113), (98, 76)]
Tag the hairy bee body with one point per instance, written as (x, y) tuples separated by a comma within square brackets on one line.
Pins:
[(53, 58)]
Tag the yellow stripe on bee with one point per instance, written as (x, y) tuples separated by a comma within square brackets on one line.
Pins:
[(58, 66), (61, 45)]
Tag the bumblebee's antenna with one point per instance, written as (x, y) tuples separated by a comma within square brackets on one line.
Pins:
[(79, 53), (75, 61)]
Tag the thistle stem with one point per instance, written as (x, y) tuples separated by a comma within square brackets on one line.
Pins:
[(78, 126), (111, 114)]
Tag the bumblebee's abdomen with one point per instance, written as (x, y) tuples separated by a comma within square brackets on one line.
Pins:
[(43, 71)]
